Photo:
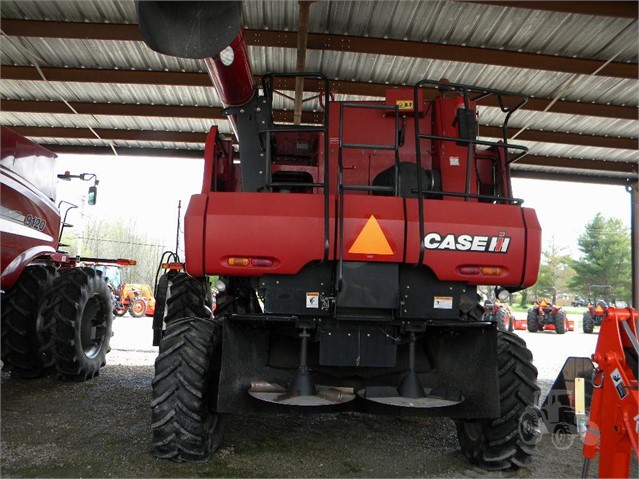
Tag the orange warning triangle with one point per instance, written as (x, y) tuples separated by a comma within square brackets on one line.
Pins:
[(371, 240)]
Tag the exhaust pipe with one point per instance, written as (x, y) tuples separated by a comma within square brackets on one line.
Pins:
[(210, 31)]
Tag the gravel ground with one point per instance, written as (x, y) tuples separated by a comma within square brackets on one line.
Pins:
[(101, 428)]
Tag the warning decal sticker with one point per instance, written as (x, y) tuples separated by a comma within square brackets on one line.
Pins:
[(443, 302), (617, 380), (312, 300)]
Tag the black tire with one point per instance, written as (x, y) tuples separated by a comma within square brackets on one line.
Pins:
[(531, 321), (498, 444), (561, 322), (119, 310), (186, 426), (78, 312), (137, 309), (188, 297), (588, 323), (500, 318), (20, 308)]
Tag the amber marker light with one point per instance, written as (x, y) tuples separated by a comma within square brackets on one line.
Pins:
[(238, 261)]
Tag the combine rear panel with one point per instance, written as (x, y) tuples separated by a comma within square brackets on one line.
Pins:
[(369, 230), (349, 249)]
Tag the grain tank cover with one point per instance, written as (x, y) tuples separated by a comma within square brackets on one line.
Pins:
[(189, 29), (31, 161)]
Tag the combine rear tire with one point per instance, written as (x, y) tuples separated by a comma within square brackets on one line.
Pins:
[(188, 297), (588, 323), (561, 322), (20, 307), (498, 444), (186, 426), (78, 312), (531, 321)]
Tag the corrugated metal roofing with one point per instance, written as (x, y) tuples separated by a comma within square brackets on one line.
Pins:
[(467, 24)]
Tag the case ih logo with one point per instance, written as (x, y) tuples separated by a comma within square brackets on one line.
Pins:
[(484, 244)]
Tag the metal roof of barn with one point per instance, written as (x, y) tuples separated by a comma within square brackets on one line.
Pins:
[(577, 60)]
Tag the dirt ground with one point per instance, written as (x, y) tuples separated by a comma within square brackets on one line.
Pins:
[(101, 428)]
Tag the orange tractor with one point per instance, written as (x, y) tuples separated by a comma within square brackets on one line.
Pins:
[(547, 316), (137, 299)]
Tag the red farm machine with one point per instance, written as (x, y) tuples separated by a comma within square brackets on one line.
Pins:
[(501, 314), (56, 313), (348, 254), (544, 316)]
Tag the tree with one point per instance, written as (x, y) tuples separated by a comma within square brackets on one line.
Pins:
[(605, 260), (554, 271), (103, 239)]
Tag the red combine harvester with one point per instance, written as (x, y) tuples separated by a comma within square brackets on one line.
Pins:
[(56, 313), (348, 254)]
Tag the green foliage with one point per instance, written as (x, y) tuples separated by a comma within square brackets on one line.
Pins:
[(554, 274), (604, 269), (524, 299), (103, 239)]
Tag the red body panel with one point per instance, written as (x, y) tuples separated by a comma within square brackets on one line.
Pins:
[(451, 159), (289, 230), (362, 165), (29, 223), (462, 236)]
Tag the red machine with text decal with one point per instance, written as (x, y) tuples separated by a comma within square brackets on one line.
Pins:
[(56, 312), (349, 249)]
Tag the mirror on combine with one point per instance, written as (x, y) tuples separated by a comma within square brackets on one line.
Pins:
[(93, 195)]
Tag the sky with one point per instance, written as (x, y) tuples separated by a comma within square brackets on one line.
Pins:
[(145, 192)]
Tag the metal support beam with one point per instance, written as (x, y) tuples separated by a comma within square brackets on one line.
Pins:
[(197, 154), (302, 36), (317, 41), (628, 169), (283, 116), (595, 179), (604, 9), (633, 189), (195, 79)]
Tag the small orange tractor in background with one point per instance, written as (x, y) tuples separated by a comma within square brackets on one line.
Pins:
[(501, 314), (547, 316), (594, 316), (135, 298)]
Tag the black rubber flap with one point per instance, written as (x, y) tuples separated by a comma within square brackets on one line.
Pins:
[(189, 29)]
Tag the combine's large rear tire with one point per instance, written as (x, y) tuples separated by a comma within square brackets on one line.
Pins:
[(188, 297), (498, 444), (561, 322), (20, 307), (531, 321), (186, 426), (78, 314), (588, 323)]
